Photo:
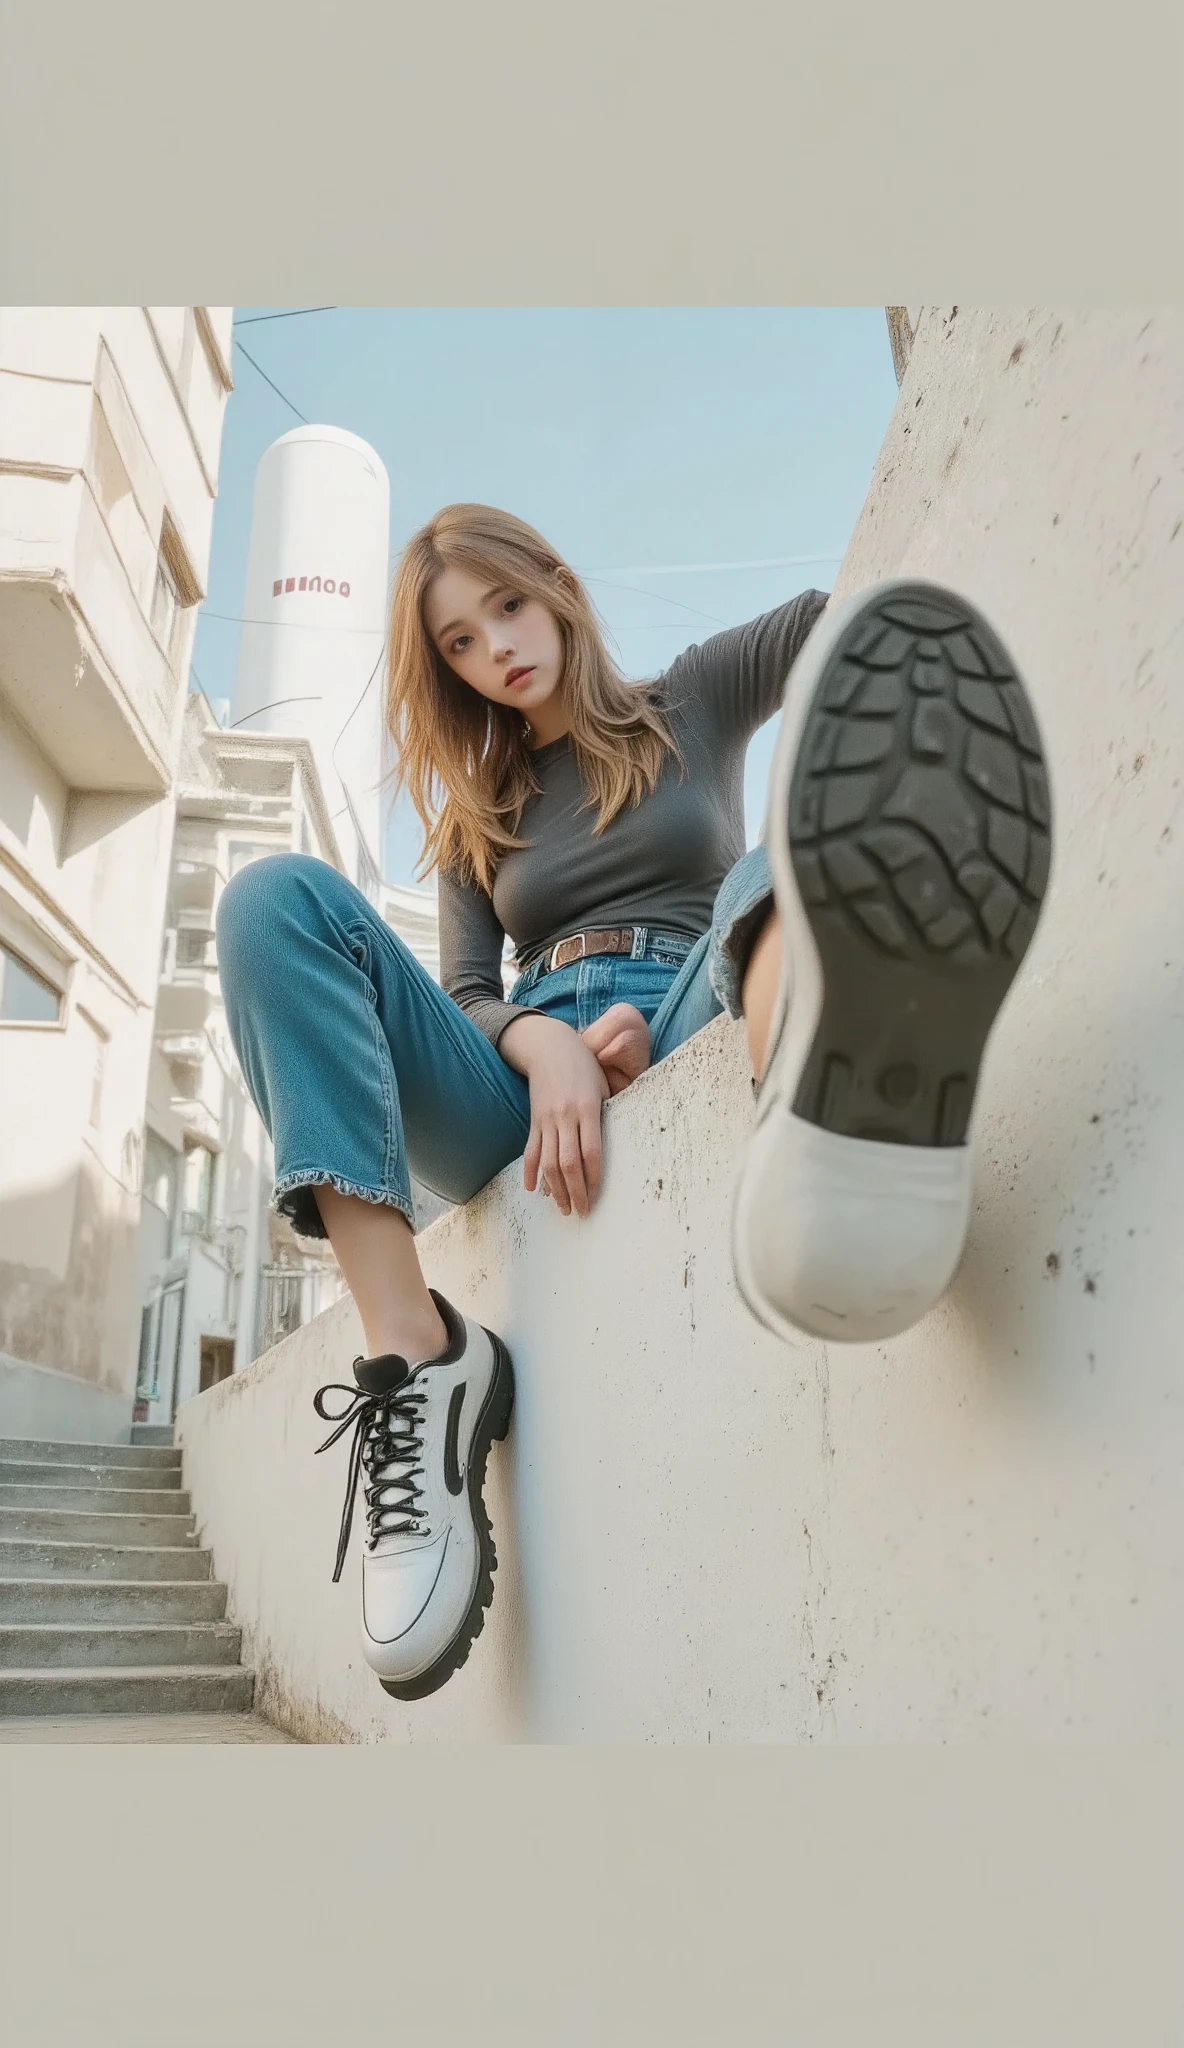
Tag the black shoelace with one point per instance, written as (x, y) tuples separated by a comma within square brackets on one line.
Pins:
[(387, 1431)]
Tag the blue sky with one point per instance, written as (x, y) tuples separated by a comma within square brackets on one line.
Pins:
[(649, 444)]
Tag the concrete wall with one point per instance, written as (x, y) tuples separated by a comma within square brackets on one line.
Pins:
[(975, 1530), (38, 1402)]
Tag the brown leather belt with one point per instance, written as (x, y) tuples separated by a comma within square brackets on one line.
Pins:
[(580, 944)]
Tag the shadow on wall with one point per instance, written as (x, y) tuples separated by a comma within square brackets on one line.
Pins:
[(92, 818), (72, 1304)]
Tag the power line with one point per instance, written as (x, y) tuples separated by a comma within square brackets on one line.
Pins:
[(704, 568), (267, 380), (586, 576), (253, 319), (341, 731), (289, 625), (657, 596), (311, 625), (273, 706)]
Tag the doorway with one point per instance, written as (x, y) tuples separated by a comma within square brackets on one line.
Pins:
[(217, 1361)]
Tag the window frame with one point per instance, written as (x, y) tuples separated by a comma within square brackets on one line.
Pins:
[(36, 974)]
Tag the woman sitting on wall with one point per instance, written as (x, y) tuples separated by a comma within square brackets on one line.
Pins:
[(868, 944)]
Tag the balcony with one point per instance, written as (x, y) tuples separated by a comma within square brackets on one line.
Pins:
[(195, 886), (79, 663), (184, 1010)]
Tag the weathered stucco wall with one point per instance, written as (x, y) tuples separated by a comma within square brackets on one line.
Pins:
[(975, 1530), (110, 420)]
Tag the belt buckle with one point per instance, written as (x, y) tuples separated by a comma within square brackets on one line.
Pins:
[(581, 955)]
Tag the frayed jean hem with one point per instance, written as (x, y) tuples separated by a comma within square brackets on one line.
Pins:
[(293, 1197)]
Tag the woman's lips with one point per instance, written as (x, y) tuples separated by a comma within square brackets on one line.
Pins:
[(516, 676)]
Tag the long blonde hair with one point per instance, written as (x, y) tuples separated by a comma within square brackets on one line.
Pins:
[(465, 761)]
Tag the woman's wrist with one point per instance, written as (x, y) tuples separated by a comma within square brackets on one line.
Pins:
[(522, 1040)]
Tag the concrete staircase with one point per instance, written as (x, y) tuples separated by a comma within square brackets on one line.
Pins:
[(106, 1604)]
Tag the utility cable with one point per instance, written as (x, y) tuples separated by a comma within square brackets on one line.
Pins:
[(267, 380), (253, 319)]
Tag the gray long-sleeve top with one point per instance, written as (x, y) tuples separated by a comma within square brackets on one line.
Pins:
[(659, 864)]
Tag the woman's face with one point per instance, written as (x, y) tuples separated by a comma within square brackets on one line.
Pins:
[(504, 645)]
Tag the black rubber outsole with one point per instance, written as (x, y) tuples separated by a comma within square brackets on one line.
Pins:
[(492, 1426), (920, 838)]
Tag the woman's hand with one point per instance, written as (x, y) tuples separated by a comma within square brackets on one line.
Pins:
[(568, 1089), (621, 1041)]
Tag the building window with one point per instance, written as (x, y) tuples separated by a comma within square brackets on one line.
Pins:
[(194, 948), (161, 1174), (25, 996), (165, 605), (174, 593), (240, 852), (200, 1169)]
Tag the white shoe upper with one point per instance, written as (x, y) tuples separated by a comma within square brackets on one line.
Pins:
[(414, 1439)]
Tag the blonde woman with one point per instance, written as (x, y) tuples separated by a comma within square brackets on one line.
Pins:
[(868, 944)]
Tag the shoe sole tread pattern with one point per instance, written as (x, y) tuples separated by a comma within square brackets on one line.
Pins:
[(493, 1423), (919, 834)]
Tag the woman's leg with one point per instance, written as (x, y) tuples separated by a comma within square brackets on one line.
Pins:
[(908, 839), (735, 967), (758, 990), (361, 1067), (375, 1248)]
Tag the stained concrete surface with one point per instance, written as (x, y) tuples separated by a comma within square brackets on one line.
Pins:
[(82, 1728)]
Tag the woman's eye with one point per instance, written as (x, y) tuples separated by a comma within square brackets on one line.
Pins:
[(514, 604), (459, 646)]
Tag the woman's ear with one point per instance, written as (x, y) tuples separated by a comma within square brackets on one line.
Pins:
[(565, 579)]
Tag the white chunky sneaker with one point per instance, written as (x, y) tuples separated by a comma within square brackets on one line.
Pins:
[(421, 1438), (909, 837)]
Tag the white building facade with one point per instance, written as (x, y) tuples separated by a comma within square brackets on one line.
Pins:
[(222, 1277), (110, 428)]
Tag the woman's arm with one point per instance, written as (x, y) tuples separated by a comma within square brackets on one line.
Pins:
[(738, 678), (567, 1084), (568, 1087), (471, 943)]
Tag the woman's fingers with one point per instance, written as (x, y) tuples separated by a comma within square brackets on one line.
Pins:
[(571, 1166), (566, 1159), (531, 1158), (553, 1177), (591, 1148), (621, 1051), (619, 1020)]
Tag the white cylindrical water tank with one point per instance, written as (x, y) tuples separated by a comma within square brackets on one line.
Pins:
[(314, 619)]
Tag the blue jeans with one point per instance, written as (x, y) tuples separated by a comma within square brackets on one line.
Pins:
[(363, 1070)]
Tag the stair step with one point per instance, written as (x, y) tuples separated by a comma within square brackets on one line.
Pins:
[(70, 1526), (70, 1646), (107, 1500), (57, 1473), (118, 1600), (197, 1726), (181, 1689), (47, 1561), (51, 1451), (152, 1432)]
